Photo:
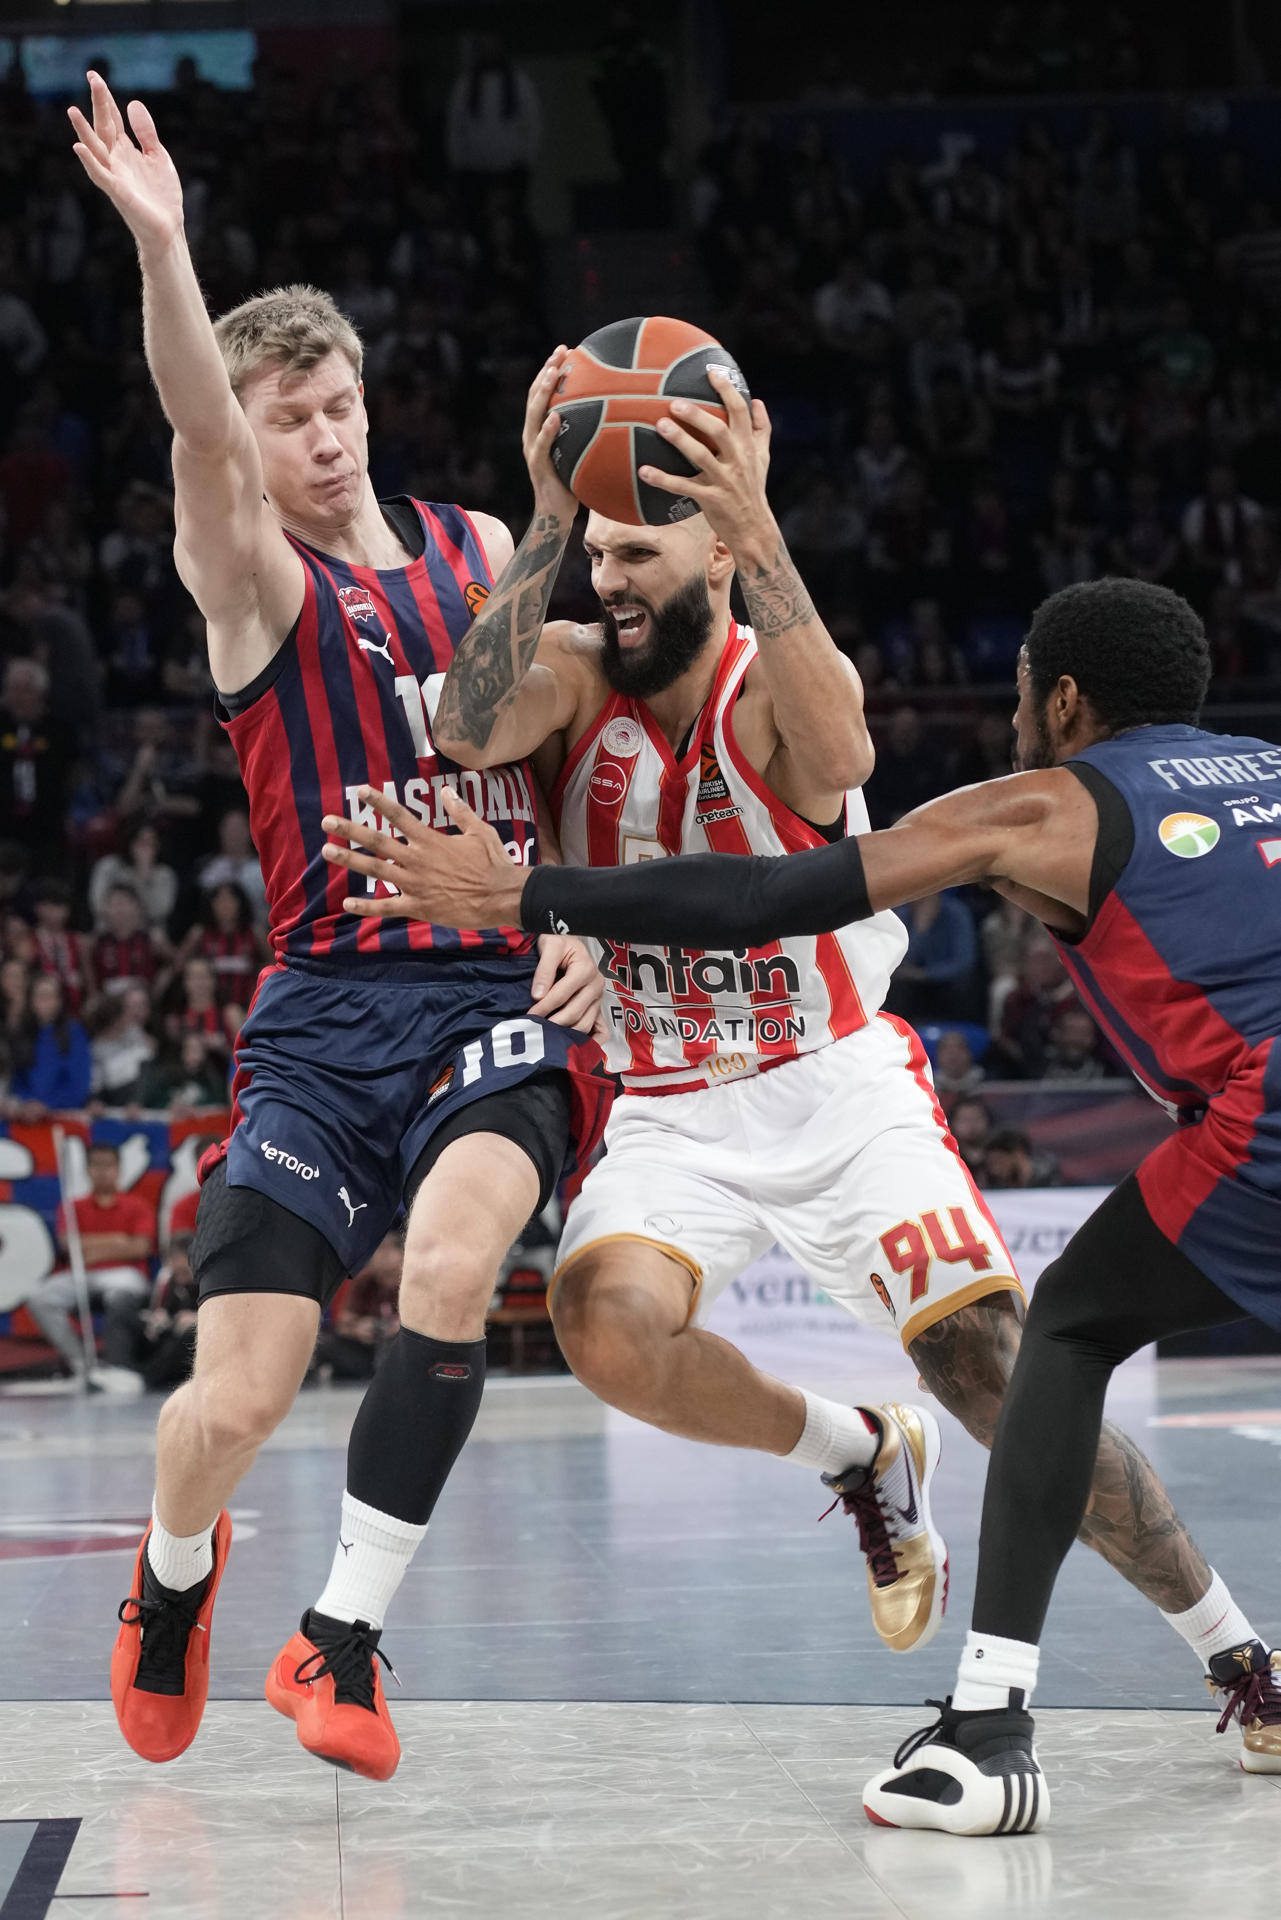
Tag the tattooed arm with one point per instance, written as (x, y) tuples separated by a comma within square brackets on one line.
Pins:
[(801, 720), (497, 704), (966, 1361)]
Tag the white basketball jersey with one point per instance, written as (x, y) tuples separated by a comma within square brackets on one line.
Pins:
[(680, 1018)]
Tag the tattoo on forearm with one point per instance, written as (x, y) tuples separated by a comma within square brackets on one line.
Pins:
[(496, 652), (775, 594), (966, 1361)]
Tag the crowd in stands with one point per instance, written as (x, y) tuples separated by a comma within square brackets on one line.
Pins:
[(988, 377)]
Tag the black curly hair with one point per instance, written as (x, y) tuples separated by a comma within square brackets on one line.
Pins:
[(1137, 652)]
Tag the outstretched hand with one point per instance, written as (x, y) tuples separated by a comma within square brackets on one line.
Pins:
[(730, 458), (140, 180), (464, 879)]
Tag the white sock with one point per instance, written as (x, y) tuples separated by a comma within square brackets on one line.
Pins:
[(370, 1561), (1215, 1624), (990, 1666), (835, 1437), (178, 1560)]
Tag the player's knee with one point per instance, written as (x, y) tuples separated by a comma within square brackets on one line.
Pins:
[(611, 1334), (241, 1410), (445, 1280)]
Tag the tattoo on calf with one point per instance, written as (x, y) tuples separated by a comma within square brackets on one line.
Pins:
[(498, 648), (966, 1360)]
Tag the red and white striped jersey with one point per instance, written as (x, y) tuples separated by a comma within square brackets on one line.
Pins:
[(680, 1018)]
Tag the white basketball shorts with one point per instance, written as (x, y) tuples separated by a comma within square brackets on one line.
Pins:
[(841, 1156)]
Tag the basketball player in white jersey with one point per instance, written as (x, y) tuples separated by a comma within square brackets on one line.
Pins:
[(767, 1096)]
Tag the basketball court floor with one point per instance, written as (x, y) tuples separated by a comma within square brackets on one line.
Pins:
[(638, 1682)]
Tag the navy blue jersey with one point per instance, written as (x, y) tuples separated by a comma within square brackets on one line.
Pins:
[(1182, 964), (350, 706)]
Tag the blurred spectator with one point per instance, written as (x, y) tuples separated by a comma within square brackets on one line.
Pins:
[(1011, 1160), (161, 777), (58, 951), (970, 1125), (192, 1006), (1215, 528), (493, 125), (37, 753), (52, 1065), (164, 1342), (226, 937), (955, 1068), (235, 863), (187, 1074), (1076, 1048), (117, 1237), (1030, 1011), (140, 868), (632, 97), (122, 1045), (934, 980), (1006, 934), (906, 774), (366, 1319), (126, 950)]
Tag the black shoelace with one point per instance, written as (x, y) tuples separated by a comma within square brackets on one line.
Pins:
[(350, 1664), (166, 1625), (922, 1735)]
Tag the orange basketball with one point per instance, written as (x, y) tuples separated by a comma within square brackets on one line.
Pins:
[(612, 390)]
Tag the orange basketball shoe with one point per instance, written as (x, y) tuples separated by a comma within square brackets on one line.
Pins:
[(327, 1680), (160, 1663)]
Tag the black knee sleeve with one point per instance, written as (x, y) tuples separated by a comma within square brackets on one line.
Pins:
[(413, 1422)]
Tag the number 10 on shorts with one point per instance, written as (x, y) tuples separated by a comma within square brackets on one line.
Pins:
[(912, 1244)]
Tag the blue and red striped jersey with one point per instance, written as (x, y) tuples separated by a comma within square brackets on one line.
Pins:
[(349, 706), (1182, 964)]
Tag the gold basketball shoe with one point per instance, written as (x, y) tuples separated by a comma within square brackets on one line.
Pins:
[(1245, 1677), (890, 1500)]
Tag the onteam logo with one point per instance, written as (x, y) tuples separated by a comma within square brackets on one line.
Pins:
[(1188, 835)]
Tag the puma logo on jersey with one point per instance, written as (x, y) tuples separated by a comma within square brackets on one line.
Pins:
[(382, 646), (353, 1206)]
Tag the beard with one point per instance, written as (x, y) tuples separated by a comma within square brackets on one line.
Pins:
[(1038, 753), (679, 631)]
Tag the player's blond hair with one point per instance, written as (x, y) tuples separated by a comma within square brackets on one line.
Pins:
[(290, 327)]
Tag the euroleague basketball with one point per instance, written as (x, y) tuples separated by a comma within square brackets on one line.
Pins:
[(613, 390)]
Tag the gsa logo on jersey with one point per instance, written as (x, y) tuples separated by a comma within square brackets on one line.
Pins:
[(1189, 835)]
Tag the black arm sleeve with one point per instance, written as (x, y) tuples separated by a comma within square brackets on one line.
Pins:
[(702, 899)]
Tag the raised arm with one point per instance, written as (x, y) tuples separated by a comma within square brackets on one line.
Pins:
[(802, 707), (498, 703), (1031, 836), (230, 550)]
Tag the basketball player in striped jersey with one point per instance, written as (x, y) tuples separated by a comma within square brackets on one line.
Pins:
[(767, 1097), (379, 1067)]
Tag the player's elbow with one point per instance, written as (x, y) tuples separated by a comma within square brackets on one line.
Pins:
[(465, 751), (853, 758)]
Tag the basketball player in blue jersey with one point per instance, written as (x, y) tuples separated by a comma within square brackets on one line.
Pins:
[(1149, 848), (403, 1069)]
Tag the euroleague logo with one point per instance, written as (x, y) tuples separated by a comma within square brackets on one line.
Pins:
[(608, 785), (475, 594), (1188, 835)]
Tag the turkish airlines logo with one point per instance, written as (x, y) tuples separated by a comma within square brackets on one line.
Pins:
[(607, 785)]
